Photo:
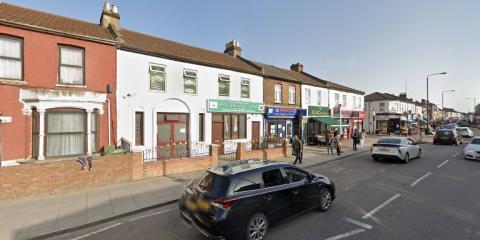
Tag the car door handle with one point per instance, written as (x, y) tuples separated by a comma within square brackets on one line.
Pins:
[(295, 192), (268, 198)]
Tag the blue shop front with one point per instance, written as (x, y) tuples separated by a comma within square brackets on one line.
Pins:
[(283, 122)]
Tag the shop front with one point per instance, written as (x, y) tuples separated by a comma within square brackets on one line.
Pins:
[(319, 121), (282, 122), (356, 120), (390, 123), (234, 121)]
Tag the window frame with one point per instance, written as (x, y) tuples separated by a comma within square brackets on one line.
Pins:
[(185, 77), (277, 87), (84, 132), (60, 46), (22, 57), (308, 97), (224, 79), (244, 82), (337, 99), (201, 125), (142, 126), (230, 125), (157, 71), (319, 97), (292, 101)]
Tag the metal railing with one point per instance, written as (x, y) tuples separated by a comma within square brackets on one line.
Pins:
[(174, 151), (264, 143)]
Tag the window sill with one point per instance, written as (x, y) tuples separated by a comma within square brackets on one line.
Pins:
[(12, 82), (70, 86)]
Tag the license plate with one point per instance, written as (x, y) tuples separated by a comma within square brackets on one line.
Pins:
[(384, 149), (203, 205), (190, 205)]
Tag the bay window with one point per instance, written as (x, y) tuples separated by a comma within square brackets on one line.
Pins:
[(72, 61), (66, 132), (11, 54)]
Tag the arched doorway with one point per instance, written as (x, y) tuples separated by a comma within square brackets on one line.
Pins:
[(173, 130)]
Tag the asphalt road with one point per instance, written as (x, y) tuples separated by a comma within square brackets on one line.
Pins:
[(428, 198)]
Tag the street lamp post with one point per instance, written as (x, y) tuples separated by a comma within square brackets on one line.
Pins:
[(428, 100)]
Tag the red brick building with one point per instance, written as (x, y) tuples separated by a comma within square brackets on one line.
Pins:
[(57, 84)]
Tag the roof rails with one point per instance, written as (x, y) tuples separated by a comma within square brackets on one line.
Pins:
[(226, 166)]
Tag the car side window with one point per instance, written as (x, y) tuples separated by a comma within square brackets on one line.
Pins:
[(295, 175), (272, 178), (410, 142), (245, 185)]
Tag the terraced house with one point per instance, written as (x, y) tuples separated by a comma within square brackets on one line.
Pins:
[(57, 76)]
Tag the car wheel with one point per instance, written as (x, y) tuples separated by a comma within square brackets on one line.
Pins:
[(456, 143), (257, 227), (406, 159), (375, 158), (419, 153), (325, 200)]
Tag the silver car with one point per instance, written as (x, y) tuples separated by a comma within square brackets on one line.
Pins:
[(464, 132), (472, 150), (396, 148)]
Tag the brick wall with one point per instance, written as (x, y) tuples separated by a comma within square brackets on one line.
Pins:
[(269, 93)]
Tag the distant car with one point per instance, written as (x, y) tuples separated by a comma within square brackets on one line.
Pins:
[(450, 126), (243, 199), (447, 136), (472, 150), (396, 148), (465, 132)]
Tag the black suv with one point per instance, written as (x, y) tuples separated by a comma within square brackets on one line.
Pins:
[(241, 200)]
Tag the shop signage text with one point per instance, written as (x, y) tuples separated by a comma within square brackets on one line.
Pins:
[(316, 111), (235, 106), (277, 111)]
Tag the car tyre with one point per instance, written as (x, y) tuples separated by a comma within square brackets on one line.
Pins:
[(257, 227), (419, 153), (326, 200), (406, 159), (456, 143)]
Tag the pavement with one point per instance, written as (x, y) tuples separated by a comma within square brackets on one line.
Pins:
[(48, 216), (434, 197)]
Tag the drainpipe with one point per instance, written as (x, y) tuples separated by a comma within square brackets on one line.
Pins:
[(108, 116)]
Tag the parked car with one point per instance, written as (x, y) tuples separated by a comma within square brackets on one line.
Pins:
[(396, 148), (450, 126), (447, 136), (472, 150), (465, 132), (243, 199)]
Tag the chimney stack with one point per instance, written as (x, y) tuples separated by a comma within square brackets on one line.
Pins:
[(233, 48), (110, 16), (297, 67), (403, 96)]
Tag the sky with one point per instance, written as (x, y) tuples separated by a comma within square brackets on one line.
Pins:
[(371, 45)]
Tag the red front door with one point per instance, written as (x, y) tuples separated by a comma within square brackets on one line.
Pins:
[(172, 135)]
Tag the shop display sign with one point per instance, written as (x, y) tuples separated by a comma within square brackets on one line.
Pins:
[(224, 106), (316, 111), (278, 111)]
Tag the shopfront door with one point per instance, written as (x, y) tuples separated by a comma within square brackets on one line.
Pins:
[(172, 135), (255, 130)]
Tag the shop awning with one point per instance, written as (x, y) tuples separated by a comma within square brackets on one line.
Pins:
[(326, 120)]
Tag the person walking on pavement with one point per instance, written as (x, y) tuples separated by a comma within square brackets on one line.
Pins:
[(355, 140), (338, 143), (330, 142), (297, 146), (362, 140)]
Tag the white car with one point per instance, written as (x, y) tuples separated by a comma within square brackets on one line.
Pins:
[(464, 132), (397, 148), (472, 150)]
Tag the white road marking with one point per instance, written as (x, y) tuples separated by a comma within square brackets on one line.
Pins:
[(150, 214), (371, 213), (98, 231), (358, 223), (456, 154), (348, 234), (441, 165), (420, 179)]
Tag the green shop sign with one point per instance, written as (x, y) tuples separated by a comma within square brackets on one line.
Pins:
[(224, 106), (316, 111)]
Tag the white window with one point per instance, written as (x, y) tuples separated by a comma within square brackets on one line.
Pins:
[(382, 107), (291, 95), (71, 65), (354, 101), (319, 97), (11, 63), (359, 101), (223, 85), (278, 93), (337, 99), (157, 77), (308, 96), (190, 81), (344, 104), (245, 88)]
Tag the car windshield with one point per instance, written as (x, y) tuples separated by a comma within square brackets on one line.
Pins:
[(390, 141), (475, 141), (444, 133), (214, 184)]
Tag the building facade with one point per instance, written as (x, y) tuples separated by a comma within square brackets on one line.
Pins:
[(56, 83)]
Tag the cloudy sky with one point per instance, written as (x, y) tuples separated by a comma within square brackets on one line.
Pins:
[(371, 45)]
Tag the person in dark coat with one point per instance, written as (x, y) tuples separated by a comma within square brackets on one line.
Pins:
[(297, 147), (355, 140)]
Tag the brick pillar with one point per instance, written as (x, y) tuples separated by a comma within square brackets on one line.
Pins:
[(214, 152), (241, 151), (137, 165)]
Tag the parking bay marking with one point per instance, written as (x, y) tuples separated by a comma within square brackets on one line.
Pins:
[(98, 231), (358, 223), (420, 179), (371, 213), (348, 234), (150, 214), (456, 154), (441, 165)]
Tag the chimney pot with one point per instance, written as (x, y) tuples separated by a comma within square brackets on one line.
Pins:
[(297, 67), (115, 9), (233, 48)]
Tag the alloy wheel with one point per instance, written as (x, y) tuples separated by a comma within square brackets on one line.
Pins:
[(257, 228), (325, 199), (407, 158)]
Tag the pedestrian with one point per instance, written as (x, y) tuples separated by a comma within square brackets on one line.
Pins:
[(330, 142), (355, 140), (362, 139), (297, 146), (338, 144)]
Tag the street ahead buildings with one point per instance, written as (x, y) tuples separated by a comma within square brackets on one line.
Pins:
[(71, 88)]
